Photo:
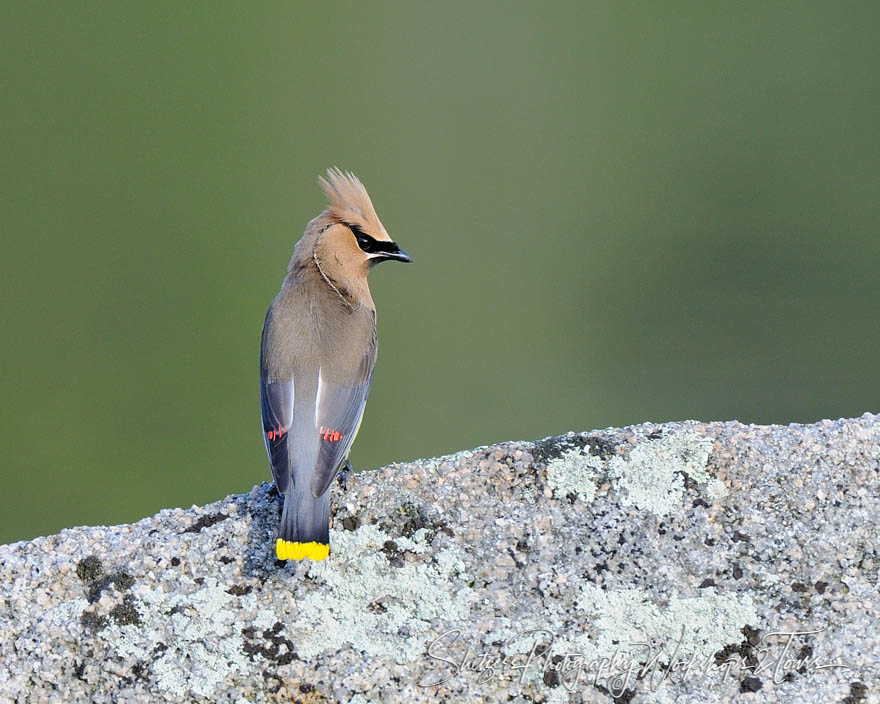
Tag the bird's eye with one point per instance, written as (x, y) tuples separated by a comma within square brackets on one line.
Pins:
[(365, 242)]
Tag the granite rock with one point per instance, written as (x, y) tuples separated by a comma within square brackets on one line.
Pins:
[(698, 562)]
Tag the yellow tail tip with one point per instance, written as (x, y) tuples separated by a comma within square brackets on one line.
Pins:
[(285, 550)]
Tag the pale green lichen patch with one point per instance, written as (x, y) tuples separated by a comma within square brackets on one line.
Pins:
[(652, 474), (700, 625), (377, 608), (207, 644), (574, 472), (264, 619)]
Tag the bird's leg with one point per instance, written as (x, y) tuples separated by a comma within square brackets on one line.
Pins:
[(346, 472)]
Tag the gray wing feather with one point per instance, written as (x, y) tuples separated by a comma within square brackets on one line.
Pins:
[(338, 413), (276, 402)]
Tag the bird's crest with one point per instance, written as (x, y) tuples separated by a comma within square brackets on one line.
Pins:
[(348, 200)]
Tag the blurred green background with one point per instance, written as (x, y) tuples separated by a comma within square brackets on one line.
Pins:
[(618, 212)]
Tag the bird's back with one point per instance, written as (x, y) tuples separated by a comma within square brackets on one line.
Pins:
[(306, 330), (325, 351)]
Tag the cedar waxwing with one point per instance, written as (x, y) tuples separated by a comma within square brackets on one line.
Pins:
[(316, 359)]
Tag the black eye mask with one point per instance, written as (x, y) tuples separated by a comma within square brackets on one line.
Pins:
[(371, 245)]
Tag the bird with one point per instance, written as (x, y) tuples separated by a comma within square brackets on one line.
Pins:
[(317, 353)]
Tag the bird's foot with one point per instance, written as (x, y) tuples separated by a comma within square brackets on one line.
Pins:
[(346, 473)]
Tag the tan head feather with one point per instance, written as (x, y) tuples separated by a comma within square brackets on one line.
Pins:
[(349, 202)]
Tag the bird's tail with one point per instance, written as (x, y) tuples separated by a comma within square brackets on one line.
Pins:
[(305, 525)]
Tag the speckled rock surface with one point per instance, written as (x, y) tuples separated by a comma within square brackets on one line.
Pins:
[(681, 562)]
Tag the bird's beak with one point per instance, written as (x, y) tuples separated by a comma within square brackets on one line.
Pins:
[(401, 256), (397, 254)]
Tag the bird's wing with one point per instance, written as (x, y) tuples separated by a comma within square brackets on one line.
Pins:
[(338, 412), (276, 401)]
